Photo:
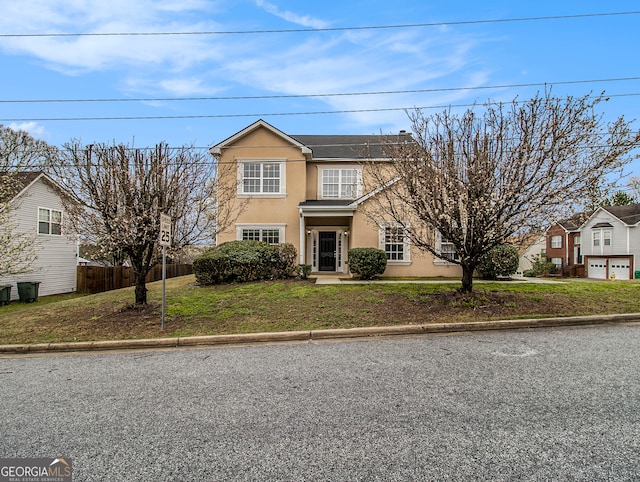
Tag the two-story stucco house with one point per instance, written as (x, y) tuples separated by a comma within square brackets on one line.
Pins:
[(38, 210), (307, 190), (611, 242)]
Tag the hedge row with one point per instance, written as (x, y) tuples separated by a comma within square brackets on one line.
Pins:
[(242, 261)]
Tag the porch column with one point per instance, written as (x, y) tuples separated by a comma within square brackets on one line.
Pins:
[(303, 238)]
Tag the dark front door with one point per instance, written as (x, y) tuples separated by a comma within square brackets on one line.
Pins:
[(327, 242)]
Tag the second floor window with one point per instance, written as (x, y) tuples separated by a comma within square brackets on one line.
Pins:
[(49, 221), (261, 177), (340, 183), (556, 241), (602, 237)]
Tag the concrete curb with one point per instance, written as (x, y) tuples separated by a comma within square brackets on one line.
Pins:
[(311, 335)]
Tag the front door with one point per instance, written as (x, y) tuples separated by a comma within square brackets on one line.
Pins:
[(327, 244)]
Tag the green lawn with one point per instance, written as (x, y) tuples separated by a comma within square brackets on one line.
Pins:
[(299, 305)]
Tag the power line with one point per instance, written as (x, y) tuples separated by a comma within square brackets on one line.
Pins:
[(335, 94), (259, 115), (326, 29)]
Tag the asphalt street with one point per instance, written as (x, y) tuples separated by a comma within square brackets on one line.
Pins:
[(543, 404)]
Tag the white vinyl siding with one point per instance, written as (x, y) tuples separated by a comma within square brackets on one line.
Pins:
[(55, 267)]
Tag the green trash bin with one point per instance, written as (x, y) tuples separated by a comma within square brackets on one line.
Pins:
[(28, 291), (636, 274), (5, 294)]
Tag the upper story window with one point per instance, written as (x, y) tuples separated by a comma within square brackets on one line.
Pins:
[(602, 237), (261, 177), (49, 221), (577, 240), (337, 183), (556, 241)]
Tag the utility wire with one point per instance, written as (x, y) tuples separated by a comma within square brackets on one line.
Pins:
[(260, 115), (327, 29), (335, 94)]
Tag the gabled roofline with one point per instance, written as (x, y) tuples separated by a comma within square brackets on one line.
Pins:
[(217, 149), (604, 208), (44, 176)]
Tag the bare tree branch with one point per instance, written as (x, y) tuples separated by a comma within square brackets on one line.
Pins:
[(479, 178)]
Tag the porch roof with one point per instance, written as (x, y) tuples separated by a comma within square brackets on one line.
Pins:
[(325, 207)]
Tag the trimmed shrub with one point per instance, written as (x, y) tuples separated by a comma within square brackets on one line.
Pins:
[(501, 260), (304, 270), (367, 263), (540, 266), (242, 261)]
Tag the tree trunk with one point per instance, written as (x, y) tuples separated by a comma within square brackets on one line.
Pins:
[(141, 287), (467, 277)]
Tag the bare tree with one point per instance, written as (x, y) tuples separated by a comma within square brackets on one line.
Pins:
[(19, 152), (123, 190), (476, 179)]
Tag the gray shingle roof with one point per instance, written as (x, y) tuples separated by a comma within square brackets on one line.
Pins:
[(629, 214), (349, 146)]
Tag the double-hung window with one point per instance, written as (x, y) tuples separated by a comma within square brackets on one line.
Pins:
[(49, 221), (268, 234), (445, 248), (262, 177), (556, 241), (338, 183), (394, 241)]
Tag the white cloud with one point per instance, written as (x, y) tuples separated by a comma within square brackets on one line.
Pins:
[(304, 20), (32, 128)]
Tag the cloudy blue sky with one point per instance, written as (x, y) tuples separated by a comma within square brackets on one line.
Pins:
[(156, 77)]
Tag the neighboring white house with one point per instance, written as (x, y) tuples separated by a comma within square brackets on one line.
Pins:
[(38, 209), (529, 252), (611, 242)]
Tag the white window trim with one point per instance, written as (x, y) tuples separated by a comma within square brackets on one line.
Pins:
[(406, 242), (283, 178), (556, 237), (51, 210), (438, 248), (340, 167), (280, 227)]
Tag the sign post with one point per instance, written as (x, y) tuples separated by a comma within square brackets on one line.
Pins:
[(164, 241)]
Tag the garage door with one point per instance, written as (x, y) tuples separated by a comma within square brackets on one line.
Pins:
[(597, 268), (619, 267)]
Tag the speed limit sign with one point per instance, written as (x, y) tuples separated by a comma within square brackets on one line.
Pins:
[(165, 230)]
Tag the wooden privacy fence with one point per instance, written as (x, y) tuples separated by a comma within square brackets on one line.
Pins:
[(96, 279)]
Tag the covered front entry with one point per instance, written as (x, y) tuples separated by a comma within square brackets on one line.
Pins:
[(327, 250)]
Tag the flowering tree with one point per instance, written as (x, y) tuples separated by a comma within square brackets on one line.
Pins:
[(478, 178), (19, 152), (122, 192)]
